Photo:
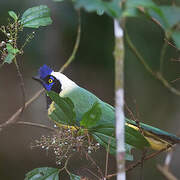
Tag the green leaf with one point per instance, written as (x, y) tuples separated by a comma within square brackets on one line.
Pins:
[(36, 16), (167, 16), (8, 59), (140, 3), (44, 173), (104, 140), (74, 177), (63, 110), (11, 53), (170, 16), (10, 49), (104, 135), (131, 8), (91, 117), (13, 15), (111, 8)]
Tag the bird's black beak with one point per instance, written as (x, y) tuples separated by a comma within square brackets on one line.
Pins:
[(37, 78)]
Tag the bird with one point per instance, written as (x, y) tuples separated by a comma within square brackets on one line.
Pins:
[(83, 100)]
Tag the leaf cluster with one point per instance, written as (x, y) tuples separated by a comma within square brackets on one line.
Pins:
[(166, 16), (32, 18)]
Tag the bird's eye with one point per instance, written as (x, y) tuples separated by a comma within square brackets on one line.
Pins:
[(50, 81)]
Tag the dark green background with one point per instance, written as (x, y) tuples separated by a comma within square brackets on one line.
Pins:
[(92, 69)]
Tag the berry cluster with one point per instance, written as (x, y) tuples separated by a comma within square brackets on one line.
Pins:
[(64, 142)]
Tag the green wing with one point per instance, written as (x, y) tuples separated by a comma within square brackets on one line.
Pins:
[(171, 138), (83, 100)]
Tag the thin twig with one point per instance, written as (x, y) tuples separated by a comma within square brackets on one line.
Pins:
[(66, 164), (86, 169), (76, 46), (13, 118), (167, 85), (171, 44), (162, 56), (155, 75), (35, 125), (150, 156), (130, 112), (166, 173), (142, 163), (22, 86), (92, 160), (133, 165), (107, 157), (173, 81), (138, 55)]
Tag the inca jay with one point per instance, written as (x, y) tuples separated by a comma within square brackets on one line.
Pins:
[(83, 101)]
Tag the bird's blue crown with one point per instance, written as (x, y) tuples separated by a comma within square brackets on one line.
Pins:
[(44, 71)]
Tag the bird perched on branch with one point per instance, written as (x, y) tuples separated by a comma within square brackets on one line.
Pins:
[(83, 100)]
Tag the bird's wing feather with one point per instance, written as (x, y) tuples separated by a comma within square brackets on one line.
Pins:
[(83, 100), (156, 131)]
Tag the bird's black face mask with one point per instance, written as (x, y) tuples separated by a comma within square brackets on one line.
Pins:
[(49, 82)]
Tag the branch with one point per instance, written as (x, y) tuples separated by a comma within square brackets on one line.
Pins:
[(95, 164), (139, 162), (22, 88), (157, 75), (14, 36), (165, 168), (35, 125), (150, 156), (76, 46), (90, 172), (14, 117), (119, 88), (163, 52), (107, 157)]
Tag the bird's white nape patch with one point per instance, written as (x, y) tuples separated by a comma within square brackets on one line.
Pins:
[(65, 81)]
